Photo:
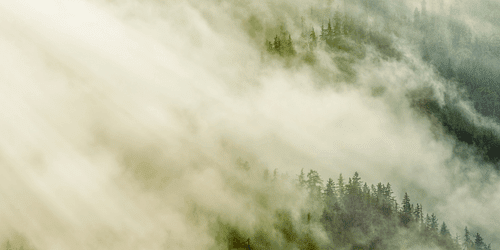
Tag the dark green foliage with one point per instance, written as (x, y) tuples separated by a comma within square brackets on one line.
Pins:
[(456, 123), (479, 243), (313, 40), (282, 44), (353, 216), (406, 212), (314, 184), (330, 197), (444, 230), (284, 224), (307, 242)]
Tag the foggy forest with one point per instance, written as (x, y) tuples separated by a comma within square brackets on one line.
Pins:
[(240, 124)]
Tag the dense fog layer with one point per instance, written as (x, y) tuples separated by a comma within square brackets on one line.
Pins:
[(125, 124)]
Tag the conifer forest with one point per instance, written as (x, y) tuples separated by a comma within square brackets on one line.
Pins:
[(256, 125)]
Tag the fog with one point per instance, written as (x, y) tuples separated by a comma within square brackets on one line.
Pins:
[(124, 122)]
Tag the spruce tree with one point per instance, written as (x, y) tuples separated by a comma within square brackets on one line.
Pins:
[(406, 211), (478, 242), (302, 179), (434, 223), (340, 184), (330, 192), (467, 239), (444, 230), (314, 184), (417, 213), (277, 45), (313, 40)]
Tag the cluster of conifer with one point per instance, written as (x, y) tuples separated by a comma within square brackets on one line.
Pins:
[(354, 215), (341, 33), (282, 44), (353, 211)]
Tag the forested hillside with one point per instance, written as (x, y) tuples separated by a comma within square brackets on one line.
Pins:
[(228, 124), (350, 214)]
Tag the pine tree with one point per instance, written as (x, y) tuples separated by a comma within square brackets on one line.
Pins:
[(434, 223), (406, 211), (330, 192), (289, 50), (417, 213), (428, 221), (356, 181), (330, 37), (269, 46), (322, 35), (277, 45), (302, 179), (467, 239), (337, 28), (444, 230), (421, 215), (340, 184), (313, 40), (478, 242), (314, 184)]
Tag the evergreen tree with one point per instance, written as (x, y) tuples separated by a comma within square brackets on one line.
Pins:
[(434, 223), (444, 230), (269, 46), (313, 40), (428, 221), (290, 48), (478, 242), (388, 192), (467, 239), (322, 35), (366, 192), (417, 213), (330, 36), (356, 182), (406, 211), (341, 187), (314, 184), (302, 179), (416, 16), (277, 45), (421, 215), (330, 192), (337, 28)]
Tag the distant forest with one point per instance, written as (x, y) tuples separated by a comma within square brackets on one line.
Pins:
[(446, 43), (350, 211)]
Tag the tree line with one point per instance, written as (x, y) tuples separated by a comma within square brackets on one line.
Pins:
[(354, 215)]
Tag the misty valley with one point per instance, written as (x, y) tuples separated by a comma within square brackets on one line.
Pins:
[(228, 124)]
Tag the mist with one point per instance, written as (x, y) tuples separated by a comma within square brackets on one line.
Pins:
[(142, 124)]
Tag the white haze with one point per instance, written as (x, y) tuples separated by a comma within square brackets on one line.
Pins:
[(117, 116)]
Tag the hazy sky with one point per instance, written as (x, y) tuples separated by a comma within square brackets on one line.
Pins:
[(119, 117)]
